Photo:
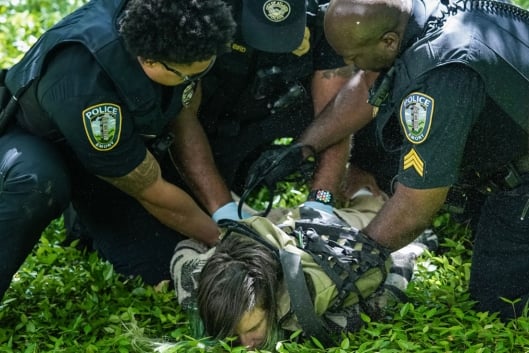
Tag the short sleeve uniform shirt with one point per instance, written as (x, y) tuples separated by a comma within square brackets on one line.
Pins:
[(84, 104), (436, 118)]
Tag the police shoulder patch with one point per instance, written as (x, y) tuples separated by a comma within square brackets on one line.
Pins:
[(416, 111), (102, 123)]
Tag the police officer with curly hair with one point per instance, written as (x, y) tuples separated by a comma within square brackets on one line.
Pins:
[(89, 100), (453, 80)]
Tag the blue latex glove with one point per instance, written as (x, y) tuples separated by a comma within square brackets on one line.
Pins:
[(319, 206), (228, 211)]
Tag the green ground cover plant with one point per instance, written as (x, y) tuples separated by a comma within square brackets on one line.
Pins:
[(67, 300)]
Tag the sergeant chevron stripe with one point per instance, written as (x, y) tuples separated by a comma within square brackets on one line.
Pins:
[(412, 159)]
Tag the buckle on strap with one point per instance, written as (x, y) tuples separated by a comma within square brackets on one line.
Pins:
[(522, 164), (508, 177)]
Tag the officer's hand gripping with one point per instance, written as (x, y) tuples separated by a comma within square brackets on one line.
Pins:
[(275, 165), (229, 211)]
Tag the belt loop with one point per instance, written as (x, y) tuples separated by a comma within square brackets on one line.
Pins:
[(524, 210)]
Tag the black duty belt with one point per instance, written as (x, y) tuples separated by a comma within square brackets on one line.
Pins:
[(508, 177)]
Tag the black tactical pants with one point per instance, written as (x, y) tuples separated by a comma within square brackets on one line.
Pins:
[(34, 190), (37, 183), (500, 263)]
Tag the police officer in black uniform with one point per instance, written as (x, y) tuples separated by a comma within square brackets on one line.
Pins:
[(86, 105), (453, 80), (279, 73)]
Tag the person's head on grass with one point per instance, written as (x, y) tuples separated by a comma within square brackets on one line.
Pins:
[(237, 292)]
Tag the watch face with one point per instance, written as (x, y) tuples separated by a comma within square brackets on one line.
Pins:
[(323, 196)]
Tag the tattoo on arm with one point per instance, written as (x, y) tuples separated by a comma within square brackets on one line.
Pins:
[(138, 179), (345, 71)]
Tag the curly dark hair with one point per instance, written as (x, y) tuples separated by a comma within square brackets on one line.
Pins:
[(180, 31)]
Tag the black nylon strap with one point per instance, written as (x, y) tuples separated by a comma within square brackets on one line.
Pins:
[(300, 298), (5, 102)]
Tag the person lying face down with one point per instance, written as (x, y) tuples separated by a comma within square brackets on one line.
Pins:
[(237, 293), (239, 289)]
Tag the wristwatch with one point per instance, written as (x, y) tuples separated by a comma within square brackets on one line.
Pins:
[(323, 196)]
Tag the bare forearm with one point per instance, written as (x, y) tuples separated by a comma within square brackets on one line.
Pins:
[(405, 215), (326, 84), (178, 211), (168, 203), (198, 168), (191, 153), (332, 160), (343, 116), (331, 167)]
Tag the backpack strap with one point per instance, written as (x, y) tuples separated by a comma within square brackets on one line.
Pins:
[(300, 299), (232, 226), (344, 261)]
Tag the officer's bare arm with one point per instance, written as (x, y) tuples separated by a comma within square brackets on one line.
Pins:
[(405, 215), (347, 113), (193, 157), (327, 83), (165, 201), (331, 164)]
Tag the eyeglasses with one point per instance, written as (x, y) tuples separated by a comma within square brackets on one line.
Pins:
[(190, 78)]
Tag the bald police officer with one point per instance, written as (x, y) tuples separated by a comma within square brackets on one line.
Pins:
[(452, 79)]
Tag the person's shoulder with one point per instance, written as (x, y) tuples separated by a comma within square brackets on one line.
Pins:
[(71, 56), (72, 71), (456, 71)]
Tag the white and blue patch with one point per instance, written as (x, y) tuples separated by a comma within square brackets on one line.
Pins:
[(102, 124), (416, 111)]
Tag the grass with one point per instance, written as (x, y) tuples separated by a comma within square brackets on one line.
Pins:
[(67, 300)]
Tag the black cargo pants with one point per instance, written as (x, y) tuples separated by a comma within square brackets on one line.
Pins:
[(500, 263), (34, 190)]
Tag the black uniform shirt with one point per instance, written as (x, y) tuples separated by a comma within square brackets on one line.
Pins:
[(82, 101), (443, 106), (243, 83), (452, 130)]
